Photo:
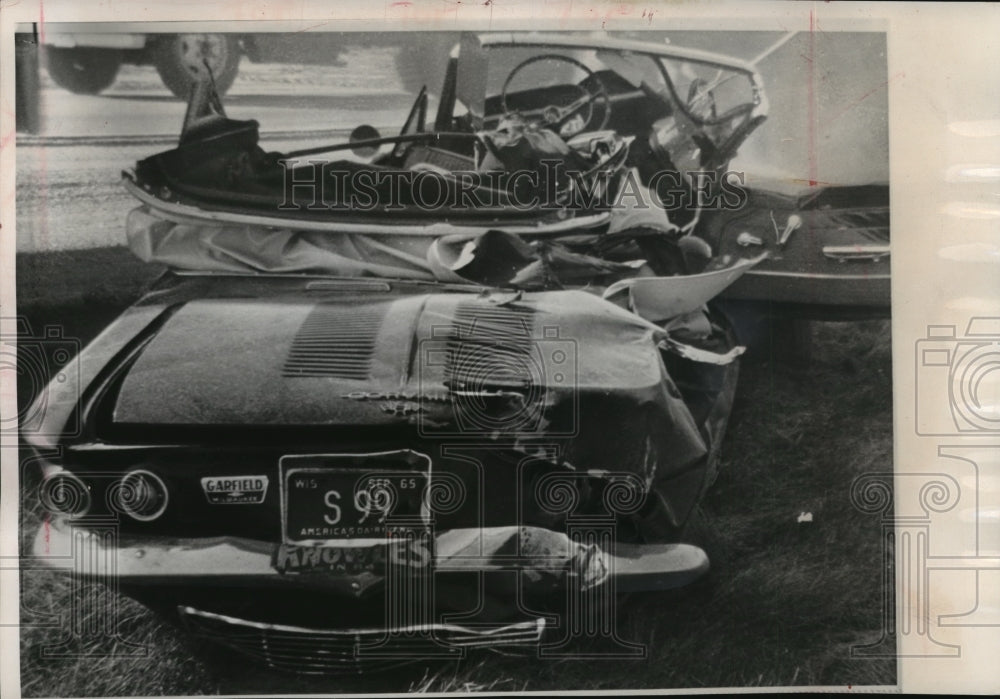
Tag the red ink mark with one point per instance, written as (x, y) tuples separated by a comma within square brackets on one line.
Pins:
[(862, 98), (305, 29), (41, 22), (812, 183), (401, 4)]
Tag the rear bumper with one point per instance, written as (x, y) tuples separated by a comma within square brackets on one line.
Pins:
[(230, 591), (543, 559)]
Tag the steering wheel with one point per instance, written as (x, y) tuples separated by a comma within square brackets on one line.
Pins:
[(556, 116)]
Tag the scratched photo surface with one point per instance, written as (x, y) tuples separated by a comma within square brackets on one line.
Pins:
[(581, 527)]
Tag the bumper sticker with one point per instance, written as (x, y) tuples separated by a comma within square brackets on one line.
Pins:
[(353, 560)]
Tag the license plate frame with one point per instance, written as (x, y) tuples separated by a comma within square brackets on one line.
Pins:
[(345, 524)]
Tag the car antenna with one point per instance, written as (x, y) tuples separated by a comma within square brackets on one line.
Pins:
[(772, 48)]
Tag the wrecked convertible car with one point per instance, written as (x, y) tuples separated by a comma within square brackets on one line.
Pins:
[(532, 133), (329, 436)]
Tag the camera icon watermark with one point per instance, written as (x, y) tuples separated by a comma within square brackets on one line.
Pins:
[(958, 379), (492, 372), (43, 365)]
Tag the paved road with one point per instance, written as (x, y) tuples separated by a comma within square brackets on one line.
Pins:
[(69, 192), (282, 97)]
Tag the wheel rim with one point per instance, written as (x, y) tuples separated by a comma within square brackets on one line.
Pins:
[(196, 49)]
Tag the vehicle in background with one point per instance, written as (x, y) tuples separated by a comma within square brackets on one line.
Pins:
[(88, 62)]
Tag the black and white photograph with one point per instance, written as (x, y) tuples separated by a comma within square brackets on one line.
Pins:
[(397, 357)]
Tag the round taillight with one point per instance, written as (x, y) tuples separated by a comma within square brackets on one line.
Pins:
[(65, 494), (140, 494)]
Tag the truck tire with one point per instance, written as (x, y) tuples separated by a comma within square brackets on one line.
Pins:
[(26, 84), (179, 60), (82, 70)]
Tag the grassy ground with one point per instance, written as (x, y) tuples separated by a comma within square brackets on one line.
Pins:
[(784, 604)]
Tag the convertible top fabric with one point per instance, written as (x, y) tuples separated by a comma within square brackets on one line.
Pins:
[(210, 247), (491, 257)]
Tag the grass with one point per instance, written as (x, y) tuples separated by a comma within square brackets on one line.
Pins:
[(783, 606)]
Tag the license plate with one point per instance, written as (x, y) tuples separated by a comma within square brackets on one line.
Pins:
[(357, 498)]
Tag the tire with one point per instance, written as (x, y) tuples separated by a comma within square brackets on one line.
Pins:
[(26, 84), (83, 71), (178, 60)]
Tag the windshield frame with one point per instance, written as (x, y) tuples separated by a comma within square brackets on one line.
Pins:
[(473, 51)]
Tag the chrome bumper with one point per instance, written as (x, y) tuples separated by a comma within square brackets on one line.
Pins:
[(98, 552)]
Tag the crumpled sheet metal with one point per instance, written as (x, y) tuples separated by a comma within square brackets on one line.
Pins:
[(500, 258), (661, 298), (538, 552)]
